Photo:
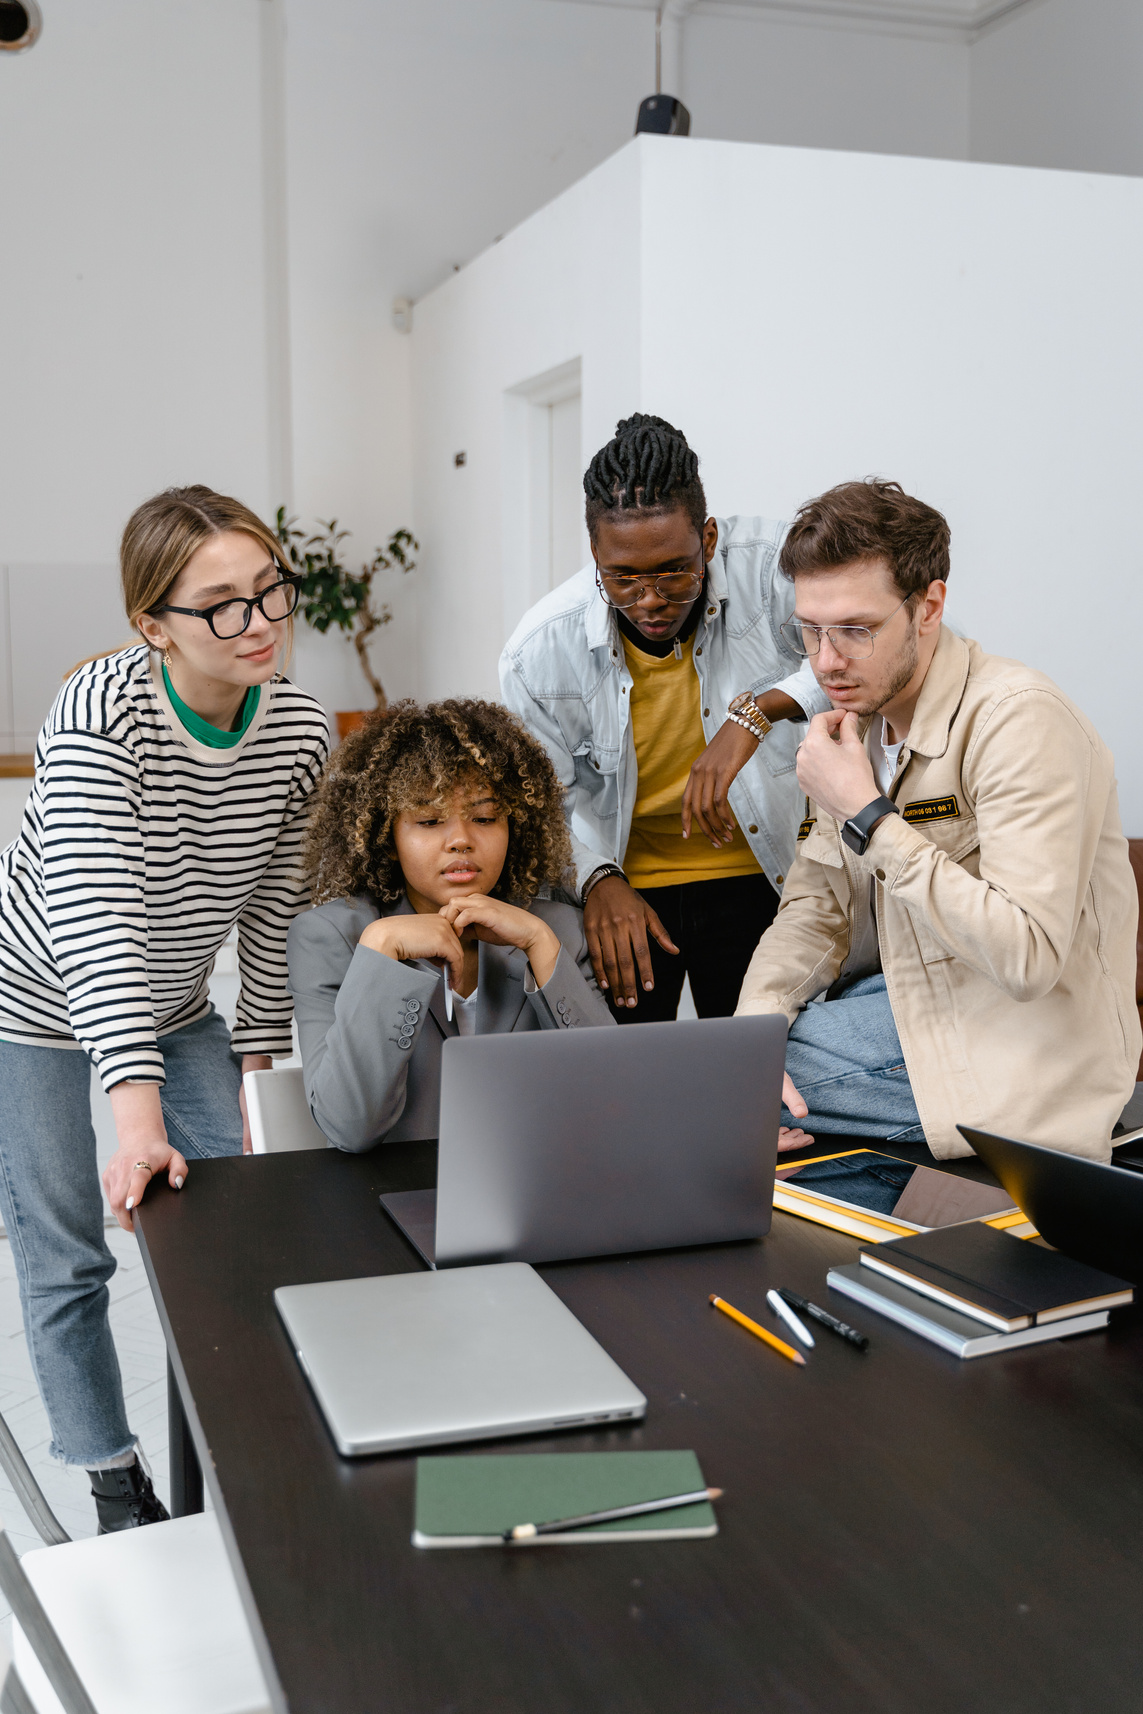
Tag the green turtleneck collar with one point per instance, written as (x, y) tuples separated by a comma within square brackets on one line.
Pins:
[(202, 729)]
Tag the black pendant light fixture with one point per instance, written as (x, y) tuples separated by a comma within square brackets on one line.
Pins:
[(662, 113)]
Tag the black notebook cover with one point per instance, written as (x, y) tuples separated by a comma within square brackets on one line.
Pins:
[(1005, 1279)]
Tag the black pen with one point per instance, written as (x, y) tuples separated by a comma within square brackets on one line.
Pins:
[(824, 1318)]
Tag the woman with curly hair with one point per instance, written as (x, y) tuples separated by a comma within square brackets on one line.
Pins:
[(436, 847)]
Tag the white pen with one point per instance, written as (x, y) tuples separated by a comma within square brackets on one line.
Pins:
[(448, 994), (784, 1313)]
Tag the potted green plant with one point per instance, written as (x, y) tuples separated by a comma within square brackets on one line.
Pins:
[(333, 593)]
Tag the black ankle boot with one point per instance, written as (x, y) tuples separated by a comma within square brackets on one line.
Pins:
[(125, 1499)]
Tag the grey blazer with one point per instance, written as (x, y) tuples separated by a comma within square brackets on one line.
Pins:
[(371, 1029)]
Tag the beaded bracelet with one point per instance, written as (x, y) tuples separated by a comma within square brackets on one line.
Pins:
[(748, 726)]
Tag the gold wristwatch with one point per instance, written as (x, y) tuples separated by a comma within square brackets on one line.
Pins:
[(745, 712)]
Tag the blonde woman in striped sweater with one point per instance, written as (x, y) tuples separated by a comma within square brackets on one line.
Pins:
[(172, 789)]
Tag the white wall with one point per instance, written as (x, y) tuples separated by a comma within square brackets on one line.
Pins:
[(51, 617), (217, 200), (417, 135), (1060, 84), (133, 298), (752, 79), (132, 289), (529, 306), (13, 797), (972, 331)]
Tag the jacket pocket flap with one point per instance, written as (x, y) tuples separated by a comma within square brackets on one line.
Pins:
[(596, 758), (955, 838), (932, 952), (821, 845)]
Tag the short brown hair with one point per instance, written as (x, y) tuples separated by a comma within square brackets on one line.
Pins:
[(165, 532), (407, 755), (869, 520)]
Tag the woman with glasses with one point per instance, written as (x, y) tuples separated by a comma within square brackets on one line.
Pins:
[(655, 678), (171, 796)]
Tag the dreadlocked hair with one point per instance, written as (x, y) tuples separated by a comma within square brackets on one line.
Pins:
[(647, 467), (407, 756)]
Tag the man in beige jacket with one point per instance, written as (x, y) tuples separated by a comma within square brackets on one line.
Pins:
[(962, 896)]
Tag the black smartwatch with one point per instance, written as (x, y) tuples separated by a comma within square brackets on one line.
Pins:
[(858, 830)]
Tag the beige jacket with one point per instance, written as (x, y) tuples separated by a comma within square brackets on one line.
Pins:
[(1005, 913)]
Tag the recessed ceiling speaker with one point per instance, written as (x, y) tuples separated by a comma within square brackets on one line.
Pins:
[(20, 24), (662, 113)]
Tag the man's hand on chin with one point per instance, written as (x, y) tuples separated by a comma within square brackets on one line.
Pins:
[(833, 767)]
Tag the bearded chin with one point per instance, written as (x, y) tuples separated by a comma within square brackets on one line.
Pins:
[(903, 672)]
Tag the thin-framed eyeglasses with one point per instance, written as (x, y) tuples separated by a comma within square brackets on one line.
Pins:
[(672, 586), (854, 642), (231, 618)]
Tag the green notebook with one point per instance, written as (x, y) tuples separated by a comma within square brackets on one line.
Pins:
[(469, 1501)]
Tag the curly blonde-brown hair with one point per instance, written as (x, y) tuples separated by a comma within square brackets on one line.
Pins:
[(406, 756)]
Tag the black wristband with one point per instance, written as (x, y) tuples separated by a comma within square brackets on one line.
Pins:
[(858, 830)]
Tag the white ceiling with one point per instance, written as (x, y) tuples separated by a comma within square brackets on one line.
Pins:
[(958, 20)]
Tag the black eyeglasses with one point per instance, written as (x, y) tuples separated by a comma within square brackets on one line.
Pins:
[(231, 618)]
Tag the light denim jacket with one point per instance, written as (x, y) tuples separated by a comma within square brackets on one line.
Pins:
[(563, 671)]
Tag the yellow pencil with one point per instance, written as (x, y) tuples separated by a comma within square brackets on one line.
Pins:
[(760, 1332)]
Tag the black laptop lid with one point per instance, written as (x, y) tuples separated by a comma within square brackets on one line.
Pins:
[(1090, 1211)]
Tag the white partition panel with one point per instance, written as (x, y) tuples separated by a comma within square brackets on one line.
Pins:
[(973, 331), (808, 316)]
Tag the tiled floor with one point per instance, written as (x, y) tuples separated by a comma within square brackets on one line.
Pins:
[(142, 1358)]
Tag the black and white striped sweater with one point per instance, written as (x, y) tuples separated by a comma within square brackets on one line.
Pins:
[(139, 850)]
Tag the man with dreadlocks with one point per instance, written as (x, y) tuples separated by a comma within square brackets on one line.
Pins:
[(654, 678)]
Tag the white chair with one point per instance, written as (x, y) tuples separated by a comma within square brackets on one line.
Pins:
[(13, 1696), (144, 1621), (279, 1114)]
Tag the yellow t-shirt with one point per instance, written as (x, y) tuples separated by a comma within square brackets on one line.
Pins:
[(666, 722)]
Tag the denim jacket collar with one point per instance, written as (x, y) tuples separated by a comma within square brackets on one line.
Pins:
[(717, 588), (600, 624)]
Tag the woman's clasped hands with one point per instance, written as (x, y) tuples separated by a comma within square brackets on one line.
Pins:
[(450, 936)]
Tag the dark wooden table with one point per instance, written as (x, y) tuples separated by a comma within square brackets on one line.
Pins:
[(900, 1531)]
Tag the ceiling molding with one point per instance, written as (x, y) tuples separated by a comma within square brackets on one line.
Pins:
[(943, 20)]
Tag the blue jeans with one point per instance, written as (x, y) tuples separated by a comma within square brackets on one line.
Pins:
[(53, 1208), (845, 1060)]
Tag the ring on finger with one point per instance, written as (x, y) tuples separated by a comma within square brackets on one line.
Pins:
[(143, 1166)]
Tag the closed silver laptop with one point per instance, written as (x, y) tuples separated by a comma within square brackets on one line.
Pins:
[(428, 1359), (565, 1143)]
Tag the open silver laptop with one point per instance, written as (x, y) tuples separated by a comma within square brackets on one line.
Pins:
[(427, 1359), (563, 1143)]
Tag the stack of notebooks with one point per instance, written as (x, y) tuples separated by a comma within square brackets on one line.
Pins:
[(976, 1291), (873, 1196)]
